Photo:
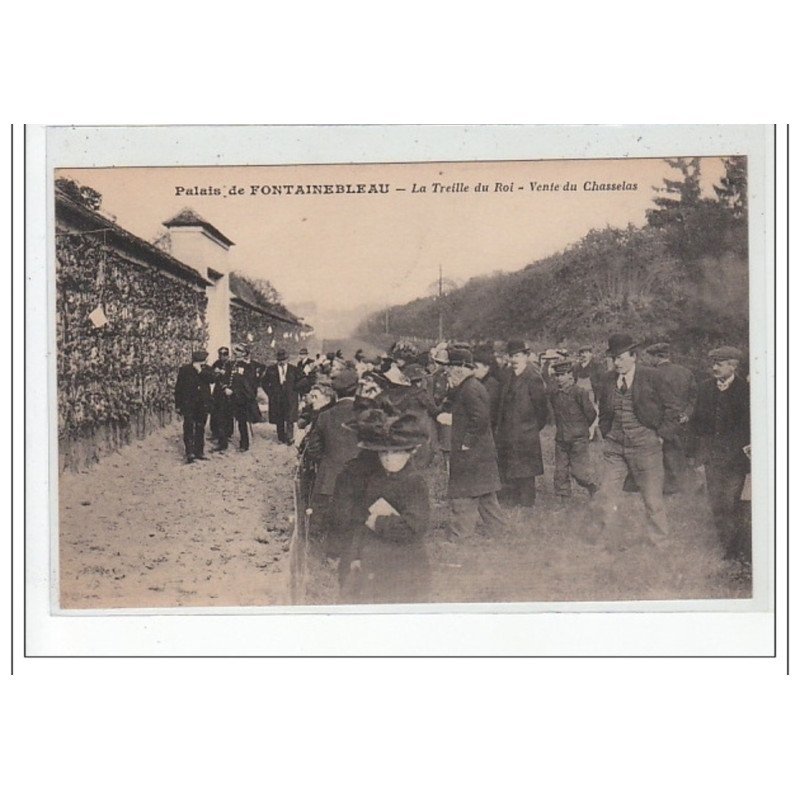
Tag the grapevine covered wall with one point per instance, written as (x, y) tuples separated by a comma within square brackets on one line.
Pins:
[(127, 316)]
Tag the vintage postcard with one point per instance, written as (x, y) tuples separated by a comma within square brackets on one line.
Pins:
[(534, 380)]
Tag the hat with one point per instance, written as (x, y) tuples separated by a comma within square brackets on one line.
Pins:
[(404, 349), (484, 353), (460, 357), (345, 382), (517, 346), (658, 349), (587, 348), (199, 355), (562, 366), (330, 356), (551, 355), (224, 350), (303, 351), (359, 354), (619, 343), (378, 429), (241, 349), (725, 353), (281, 355)]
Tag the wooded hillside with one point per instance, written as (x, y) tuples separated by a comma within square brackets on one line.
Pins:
[(682, 276)]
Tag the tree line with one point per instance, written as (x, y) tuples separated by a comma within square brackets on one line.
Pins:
[(682, 276)]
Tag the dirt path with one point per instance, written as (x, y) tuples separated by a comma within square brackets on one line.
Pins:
[(143, 529), (547, 553)]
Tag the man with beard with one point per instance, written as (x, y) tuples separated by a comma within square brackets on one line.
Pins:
[(474, 478), (523, 412), (721, 422)]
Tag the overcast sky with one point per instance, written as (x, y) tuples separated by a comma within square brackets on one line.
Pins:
[(342, 251)]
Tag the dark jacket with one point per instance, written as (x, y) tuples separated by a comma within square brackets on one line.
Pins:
[(473, 472), (594, 372), (683, 384), (654, 402), (721, 422), (332, 445), (283, 400), (491, 383), (573, 411), (193, 390), (523, 413), (395, 565), (244, 380)]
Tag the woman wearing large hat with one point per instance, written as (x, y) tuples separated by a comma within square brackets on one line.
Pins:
[(381, 511)]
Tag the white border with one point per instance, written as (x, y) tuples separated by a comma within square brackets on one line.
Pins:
[(746, 631)]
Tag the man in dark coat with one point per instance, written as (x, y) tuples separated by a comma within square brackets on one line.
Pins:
[(523, 413), (331, 445), (637, 412), (280, 384), (487, 372), (474, 477), (684, 387), (721, 421), (221, 411), (193, 402)]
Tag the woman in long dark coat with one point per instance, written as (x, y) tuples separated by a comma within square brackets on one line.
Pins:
[(522, 414), (382, 512)]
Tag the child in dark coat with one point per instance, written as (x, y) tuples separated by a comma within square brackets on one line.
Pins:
[(574, 414)]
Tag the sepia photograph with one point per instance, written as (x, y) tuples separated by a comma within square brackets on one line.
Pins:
[(407, 383)]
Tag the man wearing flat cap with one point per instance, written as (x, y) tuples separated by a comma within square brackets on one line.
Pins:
[(193, 402), (721, 422), (684, 387), (474, 477), (522, 413), (637, 412), (280, 384)]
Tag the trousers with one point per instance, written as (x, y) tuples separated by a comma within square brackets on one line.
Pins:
[(724, 487), (464, 513), (194, 433), (644, 461), (573, 459)]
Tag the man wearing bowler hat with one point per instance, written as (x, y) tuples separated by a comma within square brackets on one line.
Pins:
[(522, 413), (638, 411), (721, 422), (193, 402), (280, 384), (474, 478), (684, 387)]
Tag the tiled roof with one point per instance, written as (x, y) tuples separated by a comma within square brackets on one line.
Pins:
[(189, 218)]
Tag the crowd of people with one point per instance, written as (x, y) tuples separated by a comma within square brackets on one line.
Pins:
[(376, 429)]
